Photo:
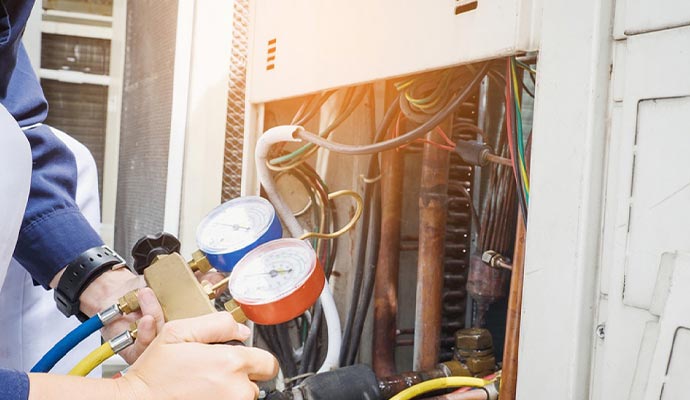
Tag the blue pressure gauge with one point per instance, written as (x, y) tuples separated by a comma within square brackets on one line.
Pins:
[(236, 227)]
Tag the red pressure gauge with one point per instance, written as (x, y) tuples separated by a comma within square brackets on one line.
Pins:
[(277, 281)]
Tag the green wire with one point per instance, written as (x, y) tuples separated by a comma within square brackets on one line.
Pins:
[(520, 135), (343, 115), (434, 95)]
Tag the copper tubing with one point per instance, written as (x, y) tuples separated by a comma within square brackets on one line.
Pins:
[(510, 352), (386, 283), (499, 160), (433, 208)]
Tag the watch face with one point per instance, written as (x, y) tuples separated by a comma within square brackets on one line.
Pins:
[(235, 225), (272, 271)]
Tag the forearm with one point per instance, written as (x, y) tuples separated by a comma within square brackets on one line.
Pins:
[(53, 387)]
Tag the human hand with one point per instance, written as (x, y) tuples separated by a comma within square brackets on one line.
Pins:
[(105, 290), (182, 364)]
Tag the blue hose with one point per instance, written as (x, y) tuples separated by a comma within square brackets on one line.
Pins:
[(70, 341)]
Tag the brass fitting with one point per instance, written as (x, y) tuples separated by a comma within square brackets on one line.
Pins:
[(199, 262), (129, 302), (496, 260), (474, 350), (233, 308)]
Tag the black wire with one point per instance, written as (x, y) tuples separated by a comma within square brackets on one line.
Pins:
[(283, 335), (526, 89), (269, 334), (313, 110), (360, 317), (408, 137), (363, 230)]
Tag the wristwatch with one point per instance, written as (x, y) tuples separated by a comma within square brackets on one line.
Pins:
[(79, 273)]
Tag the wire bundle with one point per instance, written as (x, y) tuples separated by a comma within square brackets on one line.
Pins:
[(516, 140), (430, 100)]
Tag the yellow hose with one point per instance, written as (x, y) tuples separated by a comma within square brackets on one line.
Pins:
[(437, 384), (94, 359)]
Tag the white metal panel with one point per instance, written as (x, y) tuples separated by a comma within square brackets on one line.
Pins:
[(324, 44), (656, 63), (659, 216), (646, 219), (677, 385), (112, 129), (567, 173), (671, 351), (180, 108), (652, 15), (206, 116)]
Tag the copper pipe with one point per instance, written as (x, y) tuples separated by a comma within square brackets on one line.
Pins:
[(433, 208), (386, 283), (499, 160), (510, 352)]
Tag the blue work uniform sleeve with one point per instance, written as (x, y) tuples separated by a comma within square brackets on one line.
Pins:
[(53, 231), (14, 385)]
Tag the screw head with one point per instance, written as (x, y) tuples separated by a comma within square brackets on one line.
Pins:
[(601, 331)]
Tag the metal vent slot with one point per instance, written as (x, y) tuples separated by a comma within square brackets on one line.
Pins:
[(271, 57), (463, 6)]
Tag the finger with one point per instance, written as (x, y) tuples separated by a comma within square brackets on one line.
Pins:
[(149, 305), (258, 364), (218, 327), (146, 332)]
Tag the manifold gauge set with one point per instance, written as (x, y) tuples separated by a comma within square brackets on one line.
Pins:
[(273, 280)]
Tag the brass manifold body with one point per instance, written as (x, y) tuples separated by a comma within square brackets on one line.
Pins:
[(177, 289)]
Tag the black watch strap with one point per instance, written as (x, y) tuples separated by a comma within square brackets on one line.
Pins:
[(79, 273)]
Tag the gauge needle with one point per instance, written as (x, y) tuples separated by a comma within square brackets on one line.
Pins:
[(273, 273), (235, 226)]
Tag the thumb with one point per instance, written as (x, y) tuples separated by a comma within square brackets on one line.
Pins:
[(149, 305), (218, 327)]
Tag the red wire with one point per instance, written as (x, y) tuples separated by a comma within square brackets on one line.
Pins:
[(445, 137), (396, 133)]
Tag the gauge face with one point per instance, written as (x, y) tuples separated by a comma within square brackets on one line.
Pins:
[(272, 271), (235, 225)]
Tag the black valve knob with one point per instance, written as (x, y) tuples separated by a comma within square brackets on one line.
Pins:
[(147, 248)]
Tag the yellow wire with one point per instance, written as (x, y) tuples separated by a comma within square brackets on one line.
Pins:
[(94, 359), (523, 170), (353, 221), (437, 384)]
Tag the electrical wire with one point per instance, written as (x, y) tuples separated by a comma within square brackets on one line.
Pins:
[(520, 138), (348, 226), (266, 141), (408, 137), (438, 384), (364, 246), (67, 343), (304, 152), (93, 360), (511, 130)]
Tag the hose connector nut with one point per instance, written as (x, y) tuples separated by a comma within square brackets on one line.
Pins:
[(121, 341), (129, 303), (496, 260), (110, 314)]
